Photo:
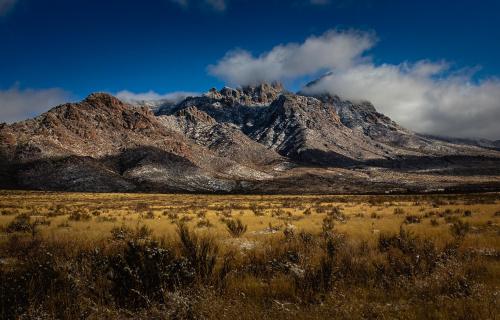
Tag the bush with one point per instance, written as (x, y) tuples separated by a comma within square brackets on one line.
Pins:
[(141, 206), (409, 219), (142, 274), (337, 214), (204, 223), (125, 233), (467, 213), (21, 223), (459, 229), (235, 227), (328, 225), (79, 216), (201, 252), (399, 211)]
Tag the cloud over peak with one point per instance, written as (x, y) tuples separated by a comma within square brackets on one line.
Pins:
[(332, 50), (425, 96), (18, 104), (132, 97)]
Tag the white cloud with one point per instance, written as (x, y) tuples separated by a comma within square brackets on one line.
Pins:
[(334, 49), (132, 97), (19, 104), (425, 96), (422, 97), (6, 6)]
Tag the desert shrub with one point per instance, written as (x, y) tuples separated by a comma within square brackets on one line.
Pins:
[(434, 222), (429, 214), (142, 206), (126, 233), (236, 228), (201, 214), (79, 216), (185, 218), (459, 228), (201, 252), (272, 229), (404, 241), (406, 255), (289, 232), (105, 219), (173, 216), (451, 219), (149, 215), (337, 214), (21, 223), (328, 225), (38, 280), (306, 238), (278, 213), (142, 274), (314, 280), (204, 223), (256, 210), (121, 233), (467, 213), (96, 213), (227, 213), (307, 212), (399, 211), (410, 219)]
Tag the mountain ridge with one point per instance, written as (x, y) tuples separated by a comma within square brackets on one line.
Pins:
[(253, 139)]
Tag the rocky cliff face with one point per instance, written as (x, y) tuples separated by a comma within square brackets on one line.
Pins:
[(253, 139)]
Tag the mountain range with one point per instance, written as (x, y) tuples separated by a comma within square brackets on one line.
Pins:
[(255, 139)]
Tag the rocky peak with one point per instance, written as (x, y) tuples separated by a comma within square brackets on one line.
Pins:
[(103, 99), (195, 116), (262, 94)]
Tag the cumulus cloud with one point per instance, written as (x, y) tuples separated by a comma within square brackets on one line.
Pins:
[(18, 104), (6, 6), (332, 50), (132, 97), (422, 96), (425, 96)]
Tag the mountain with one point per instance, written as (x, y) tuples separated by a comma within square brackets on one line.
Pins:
[(260, 139), (483, 143)]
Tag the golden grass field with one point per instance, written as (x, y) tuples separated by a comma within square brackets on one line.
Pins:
[(407, 257)]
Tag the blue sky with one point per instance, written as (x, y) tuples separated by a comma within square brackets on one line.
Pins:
[(81, 46)]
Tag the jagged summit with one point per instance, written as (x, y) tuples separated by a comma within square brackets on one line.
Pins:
[(261, 94), (259, 138)]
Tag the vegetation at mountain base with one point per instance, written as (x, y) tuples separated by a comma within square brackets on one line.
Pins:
[(144, 256)]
